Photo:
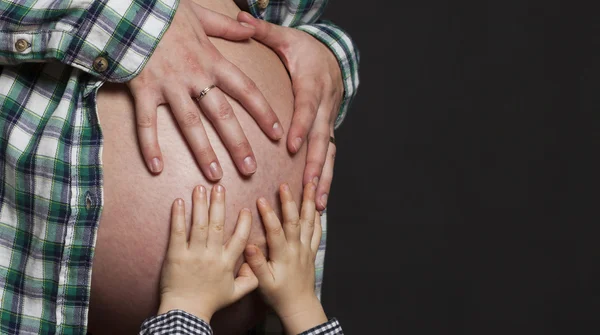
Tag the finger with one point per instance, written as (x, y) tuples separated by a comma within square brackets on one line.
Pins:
[(245, 282), (258, 263), (236, 244), (307, 215), (291, 220), (306, 102), (188, 117), (199, 232), (216, 107), (216, 218), (219, 25), (318, 232), (240, 87), (326, 178), (267, 33), (178, 238), (145, 117), (276, 240), (318, 142)]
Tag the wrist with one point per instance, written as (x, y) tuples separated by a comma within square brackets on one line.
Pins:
[(304, 316)]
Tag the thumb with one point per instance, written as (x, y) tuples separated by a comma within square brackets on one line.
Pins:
[(270, 34), (258, 263), (219, 25), (245, 282)]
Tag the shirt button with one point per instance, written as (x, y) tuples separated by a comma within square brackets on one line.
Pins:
[(262, 4), (21, 45), (88, 201), (100, 64)]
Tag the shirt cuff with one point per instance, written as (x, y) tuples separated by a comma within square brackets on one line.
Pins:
[(175, 322), (331, 327), (347, 55), (110, 39)]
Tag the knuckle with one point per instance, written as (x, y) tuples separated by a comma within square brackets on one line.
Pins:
[(319, 136), (241, 147), (145, 121), (223, 111), (295, 223), (218, 226), (190, 118), (249, 88), (276, 231), (204, 153)]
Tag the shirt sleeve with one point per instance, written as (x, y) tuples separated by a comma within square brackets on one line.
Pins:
[(331, 327), (175, 322), (110, 39)]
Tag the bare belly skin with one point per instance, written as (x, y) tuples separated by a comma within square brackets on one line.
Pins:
[(133, 232)]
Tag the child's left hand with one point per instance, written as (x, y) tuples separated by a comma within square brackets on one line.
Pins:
[(198, 276)]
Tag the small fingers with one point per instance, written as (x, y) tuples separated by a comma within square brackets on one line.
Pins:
[(178, 238), (276, 240), (236, 244), (216, 218), (218, 110), (258, 263), (245, 282), (307, 216), (291, 219), (199, 232)]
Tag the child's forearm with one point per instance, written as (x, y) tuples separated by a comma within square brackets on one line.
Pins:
[(310, 319)]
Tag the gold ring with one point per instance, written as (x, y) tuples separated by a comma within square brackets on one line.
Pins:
[(205, 92), (332, 139)]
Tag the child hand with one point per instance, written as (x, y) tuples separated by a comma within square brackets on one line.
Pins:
[(198, 276), (287, 279)]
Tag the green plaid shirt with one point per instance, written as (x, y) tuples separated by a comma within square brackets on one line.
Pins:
[(51, 192)]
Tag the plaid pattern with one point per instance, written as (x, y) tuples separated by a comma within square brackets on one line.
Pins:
[(175, 322), (50, 148), (332, 327), (178, 322), (304, 15), (51, 192)]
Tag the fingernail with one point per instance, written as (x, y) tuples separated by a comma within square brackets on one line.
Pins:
[(246, 210), (324, 200), (247, 25), (179, 202), (297, 143), (262, 201), (215, 171), (315, 181), (155, 165), (201, 189), (251, 251), (285, 187), (278, 130), (250, 164), (219, 188)]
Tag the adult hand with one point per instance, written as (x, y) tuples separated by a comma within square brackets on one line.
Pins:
[(182, 66), (318, 90)]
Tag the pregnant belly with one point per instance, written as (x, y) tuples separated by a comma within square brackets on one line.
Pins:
[(133, 231)]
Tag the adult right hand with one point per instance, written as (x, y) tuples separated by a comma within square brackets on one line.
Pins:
[(182, 66)]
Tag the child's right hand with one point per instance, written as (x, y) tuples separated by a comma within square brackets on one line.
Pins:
[(287, 279)]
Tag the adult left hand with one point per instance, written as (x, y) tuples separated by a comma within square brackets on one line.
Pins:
[(318, 90)]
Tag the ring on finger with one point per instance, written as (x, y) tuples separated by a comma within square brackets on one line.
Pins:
[(332, 139), (205, 92)]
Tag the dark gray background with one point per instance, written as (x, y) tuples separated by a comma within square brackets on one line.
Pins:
[(466, 189)]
